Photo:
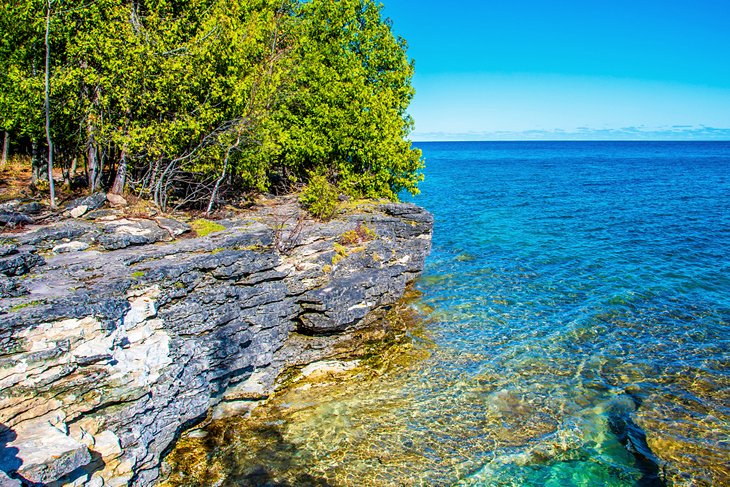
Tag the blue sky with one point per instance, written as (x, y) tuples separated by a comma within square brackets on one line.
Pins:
[(568, 69)]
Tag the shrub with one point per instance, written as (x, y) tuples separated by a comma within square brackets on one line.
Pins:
[(320, 197), (362, 233), (349, 238)]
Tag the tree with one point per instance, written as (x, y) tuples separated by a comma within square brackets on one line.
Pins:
[(47, 103), (21, 86), (346, 112), (197, 100)]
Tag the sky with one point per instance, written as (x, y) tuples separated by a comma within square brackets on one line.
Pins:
[(567, 69)]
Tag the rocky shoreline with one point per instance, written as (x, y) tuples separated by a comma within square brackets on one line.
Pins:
[(118, 334)]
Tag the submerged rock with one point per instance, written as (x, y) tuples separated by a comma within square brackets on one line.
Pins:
[(130, 347), (6, 481)]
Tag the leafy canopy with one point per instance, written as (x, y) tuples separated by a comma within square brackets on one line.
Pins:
[(195, 101)]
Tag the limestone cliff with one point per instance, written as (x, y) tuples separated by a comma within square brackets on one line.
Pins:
[(111, 346)]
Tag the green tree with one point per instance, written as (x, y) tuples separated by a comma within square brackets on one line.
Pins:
[(195, 99), (346, 111), (21, 74)]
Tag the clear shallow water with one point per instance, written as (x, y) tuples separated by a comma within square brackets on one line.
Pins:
[(590, 278), (578, 319)]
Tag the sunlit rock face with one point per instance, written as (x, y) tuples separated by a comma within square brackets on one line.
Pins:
[(107, 356)]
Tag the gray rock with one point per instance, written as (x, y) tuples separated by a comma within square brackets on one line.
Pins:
[(102, 214), (173, 227), (19, 264), (115, 241), (75, 246), (119, 234), (20, 207), (13, 219), (40, 453), (11, 205), (93, 202), (26, 207), (348, 299), (11, 288), (8, 249), (68, 230), (132, 346), (31, 208)]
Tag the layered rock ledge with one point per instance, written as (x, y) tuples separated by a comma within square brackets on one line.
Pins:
[(111, 345)]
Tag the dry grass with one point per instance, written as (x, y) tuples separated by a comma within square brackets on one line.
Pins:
[(15, 178)]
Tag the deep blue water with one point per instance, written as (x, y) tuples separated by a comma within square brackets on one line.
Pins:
[(586, 287)]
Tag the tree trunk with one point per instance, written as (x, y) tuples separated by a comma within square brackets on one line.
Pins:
[(48, 109), (6, 146), (68, 173), (121, 177), (92, 154), (214, 194), (72, 171), (103, 159), (36, 164), (218, 182)]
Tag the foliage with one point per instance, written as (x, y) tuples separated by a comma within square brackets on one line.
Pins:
[(340, 253), (352, 86), (196, 101), (361, 234), (204, 227), (320, 197)]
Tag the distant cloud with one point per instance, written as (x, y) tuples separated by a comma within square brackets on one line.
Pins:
[(673, 132)]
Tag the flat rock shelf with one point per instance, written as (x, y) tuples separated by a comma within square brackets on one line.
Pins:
[(117, 335)]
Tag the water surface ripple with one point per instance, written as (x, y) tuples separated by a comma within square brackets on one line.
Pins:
[(578, 305), (589, 278)]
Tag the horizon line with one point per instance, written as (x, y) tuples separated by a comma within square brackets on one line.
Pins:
[(573, 140)]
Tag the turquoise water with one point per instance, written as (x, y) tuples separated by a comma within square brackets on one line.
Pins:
[(593, 281), (577, 319)]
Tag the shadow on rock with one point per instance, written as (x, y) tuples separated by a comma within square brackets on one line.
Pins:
[(9, 461)]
